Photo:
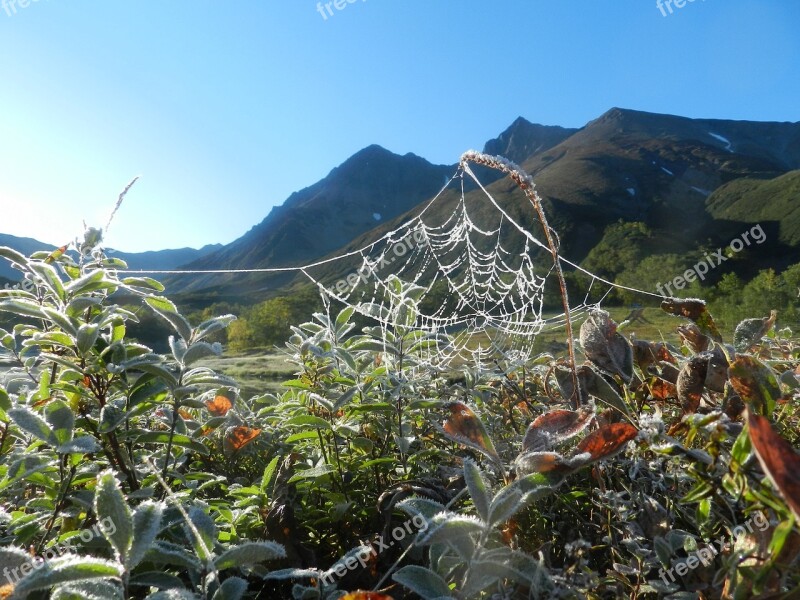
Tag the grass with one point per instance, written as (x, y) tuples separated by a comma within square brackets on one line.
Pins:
[(258, 371)]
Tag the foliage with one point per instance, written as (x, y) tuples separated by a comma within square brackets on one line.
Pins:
[(141, 475)]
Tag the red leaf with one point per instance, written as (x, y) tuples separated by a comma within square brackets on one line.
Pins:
[(607, 440), (555, 426), (778, 459)]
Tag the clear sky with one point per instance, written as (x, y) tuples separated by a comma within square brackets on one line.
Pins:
[(225, 108)]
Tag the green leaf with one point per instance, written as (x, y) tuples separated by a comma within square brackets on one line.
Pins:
[(444, 526), (169, 312), (23, 308), (48, 275), (33, 424), (313, 473), (13, 256), (183, 441), (203, 525), (146, 525), (756, 384), (423, 582), (84, 444), (171, 554), (308, 421), (269, 472), (200, 350), (87, 336), (143, 283), (91, 282), (61, 419), (232, 588), (512, 498), (67, 569), (780, 535), (206, 328), (114, 514), (478, 489), (249, 553), (424, 507), (302, 435), (96, 589)]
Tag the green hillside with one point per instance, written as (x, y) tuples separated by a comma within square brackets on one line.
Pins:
[(758, 201)]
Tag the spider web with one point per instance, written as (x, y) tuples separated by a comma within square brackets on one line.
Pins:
[(469, 279), (464, 281)]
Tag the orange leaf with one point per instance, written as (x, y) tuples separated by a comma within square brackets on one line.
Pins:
[(778, 459), (607, 440), (56, 254), (219, 406), (365, 596), (661, 389), (238, 437), (464, 426)]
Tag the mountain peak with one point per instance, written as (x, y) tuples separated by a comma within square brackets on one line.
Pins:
[(522, 139)]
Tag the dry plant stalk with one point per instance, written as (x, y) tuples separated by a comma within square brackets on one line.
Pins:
[(525, 183)]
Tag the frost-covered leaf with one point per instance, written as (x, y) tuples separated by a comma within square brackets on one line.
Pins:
[(146, 525), (478, 488), (423, 582), (424, 507), (200, 350), (750, 331), (515, 496), (84, 444), (232, 588), (171, 554), (64, 570), (554, 427), (61, 418), (691, 383), (113, 514), (206, 529), (605, 347), (87, 336), (33, 424), (249, 553), (694, 309), (166, 309), (89, 590), (445, 526)]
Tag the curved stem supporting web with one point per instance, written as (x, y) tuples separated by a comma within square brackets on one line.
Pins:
[(525, 183)]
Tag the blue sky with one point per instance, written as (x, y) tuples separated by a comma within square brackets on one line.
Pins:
[(225, 108)]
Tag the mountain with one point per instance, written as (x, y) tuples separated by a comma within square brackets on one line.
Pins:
[(373, 186), (523, 139), (688, 182), (157, 260), (632, 166)]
